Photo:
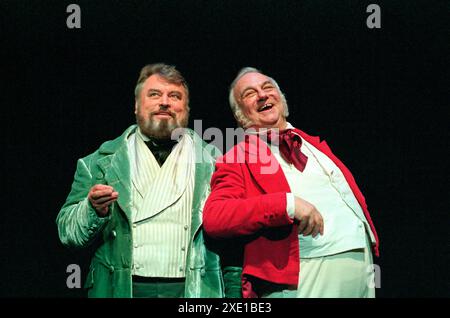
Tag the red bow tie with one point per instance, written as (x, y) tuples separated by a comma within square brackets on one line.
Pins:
[(289, 145)]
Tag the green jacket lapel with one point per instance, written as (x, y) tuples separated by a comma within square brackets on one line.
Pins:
[(116, 167), (204, 167)]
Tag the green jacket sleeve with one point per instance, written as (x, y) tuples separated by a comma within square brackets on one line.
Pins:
[(78, 223)]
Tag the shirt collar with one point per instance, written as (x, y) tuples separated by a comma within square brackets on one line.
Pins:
[(251, 131)]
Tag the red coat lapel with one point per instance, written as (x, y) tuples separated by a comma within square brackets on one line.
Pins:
[(263, 165)]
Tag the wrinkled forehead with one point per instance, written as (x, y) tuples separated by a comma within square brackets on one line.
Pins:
[(251, 80), (157, 81)]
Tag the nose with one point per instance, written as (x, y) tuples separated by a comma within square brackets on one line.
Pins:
[(262, 95), (164, 102)]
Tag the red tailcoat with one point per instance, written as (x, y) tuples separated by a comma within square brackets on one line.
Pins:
[(246, 200)]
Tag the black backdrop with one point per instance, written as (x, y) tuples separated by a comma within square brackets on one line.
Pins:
[(378, 96)]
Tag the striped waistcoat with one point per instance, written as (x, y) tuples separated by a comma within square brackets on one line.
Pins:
[(162, 204)]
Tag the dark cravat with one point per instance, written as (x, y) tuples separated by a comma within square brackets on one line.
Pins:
[(289, 144), (160, 148)]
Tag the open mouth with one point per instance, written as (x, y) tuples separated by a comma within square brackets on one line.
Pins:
[(265, 107)]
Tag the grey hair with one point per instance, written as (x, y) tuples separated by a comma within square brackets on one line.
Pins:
[(168, 72), (236, 109)]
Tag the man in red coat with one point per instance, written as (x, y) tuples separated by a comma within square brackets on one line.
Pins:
[(293, 207)]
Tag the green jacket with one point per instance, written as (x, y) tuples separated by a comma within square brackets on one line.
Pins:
[(110, 269)]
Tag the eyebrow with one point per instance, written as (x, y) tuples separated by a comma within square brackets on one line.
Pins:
[(249, 87), (159, 91)]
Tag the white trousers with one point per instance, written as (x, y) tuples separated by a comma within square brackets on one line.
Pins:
[(344, 275)]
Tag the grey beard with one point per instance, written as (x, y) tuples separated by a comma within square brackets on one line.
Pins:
[(161, 129)]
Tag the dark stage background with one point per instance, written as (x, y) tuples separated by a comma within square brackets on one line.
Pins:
[(378, 96)]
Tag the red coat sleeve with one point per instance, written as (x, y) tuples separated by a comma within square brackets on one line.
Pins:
[(237, 207)]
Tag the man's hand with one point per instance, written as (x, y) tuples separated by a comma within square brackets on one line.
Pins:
[(311, 221), (101, 196)]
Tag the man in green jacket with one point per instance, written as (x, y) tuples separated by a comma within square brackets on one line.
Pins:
[(139, 199)]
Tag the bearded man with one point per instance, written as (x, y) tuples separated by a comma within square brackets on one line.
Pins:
[(139, 198)]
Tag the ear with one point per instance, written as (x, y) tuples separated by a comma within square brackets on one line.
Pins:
[(135, 107)]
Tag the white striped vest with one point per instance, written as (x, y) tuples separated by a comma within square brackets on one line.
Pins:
[(162, 207)]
